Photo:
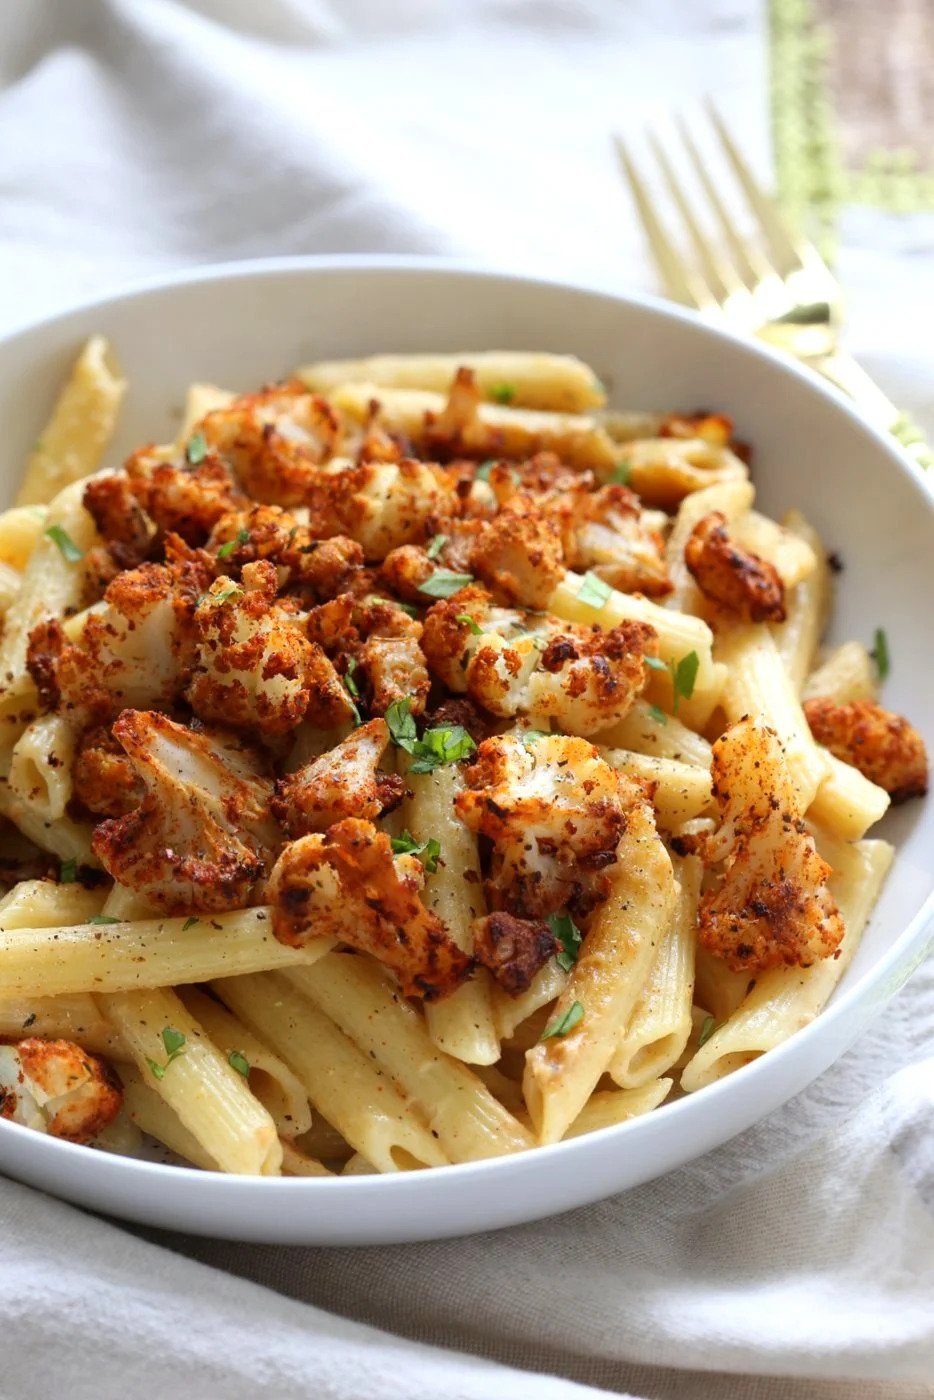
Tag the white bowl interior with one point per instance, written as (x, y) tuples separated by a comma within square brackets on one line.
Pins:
[(239, 327)]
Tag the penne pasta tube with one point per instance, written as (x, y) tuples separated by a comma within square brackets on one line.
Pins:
[(343, 1083), (324, 1141), (525, 379), (516, 433), (611, 1106), (9, 587), (66, 838), (73, 442), (298, 1163), (665, 470), (660, 1025), (717, 988), (512, 1012), (846, 673), (462, 1024), (61, 1018), (758, 684), (201, 400), (40, 769), (47, 904), (469, 1122), (212, 1100), (20, 530), (143, 953), (605, 983), (641, 731), (807, 607), (847, 803), (678, 633), (680, 791), (150, 1112), (270, 1079), (787, 999), (791, 555)]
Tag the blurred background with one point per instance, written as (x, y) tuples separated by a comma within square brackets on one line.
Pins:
[(139, 135)]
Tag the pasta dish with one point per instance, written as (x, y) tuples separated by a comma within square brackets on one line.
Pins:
[(415, 762)]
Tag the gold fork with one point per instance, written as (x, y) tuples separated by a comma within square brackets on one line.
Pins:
[(775, 286)]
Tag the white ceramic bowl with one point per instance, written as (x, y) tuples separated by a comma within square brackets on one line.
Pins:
[(242, 325)]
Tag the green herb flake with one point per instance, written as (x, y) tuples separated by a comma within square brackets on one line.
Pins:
[(427, 852), (880, 654), (503, 393), (569, 936), (658, 714), (706, 1031), (349, 681), (483, 471), (197, 448), (443, 583), (532, 736), (401, 723), (238, 1061), (241, 538), (470, 622), (174, 1043), (68, 871), (103, 919), (224, 596), (190, 922), (66, 545), (439, 747), (683, 676), (435, 545), (655, 663), (620, 474), (565, 1022), (594, 591)]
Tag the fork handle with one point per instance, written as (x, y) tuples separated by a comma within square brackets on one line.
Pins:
[(846, 374)]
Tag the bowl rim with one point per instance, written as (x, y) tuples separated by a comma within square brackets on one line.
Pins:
[(902, 957)]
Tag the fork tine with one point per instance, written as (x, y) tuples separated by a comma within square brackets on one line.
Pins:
[(785, 250), (754, 266), (717, 272), (680, 283)]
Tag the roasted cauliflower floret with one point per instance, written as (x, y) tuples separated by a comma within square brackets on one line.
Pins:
[(512, 664), (404, 570), (883, 746), (254, 668), (275, 441), (319, 568), (120, 519), (133, 650), (512, 950), (105, 781), (772, 906), (735, 579), (519, 555), (186, 499), (612, 536), (344, 782), (346, 884), (202, 837), (553, 810), (57, 1088), (382, 505)]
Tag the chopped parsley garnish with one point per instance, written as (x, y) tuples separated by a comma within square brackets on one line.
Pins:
[(880, 654), (375, 600), (66, 545), (658, 714), (503, 393), (532, 736), (443, 583), (68, 871), (238, 1061), (594, 591), (620, 473), (655, 663), (174, 1043), (683, 676), (197, 448), (224, 596), (425, 851), (706, 1031), (190, 922), (565, 1022), (242, 537), (436, 747), (435, 545), (483, 471), (470, 622), (103, 919), (569, 936), (349, 681)]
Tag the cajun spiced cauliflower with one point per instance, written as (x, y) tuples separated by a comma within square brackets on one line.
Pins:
[(398, 668)]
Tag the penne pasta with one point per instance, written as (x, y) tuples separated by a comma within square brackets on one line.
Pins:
[(680, 791), (846, 673), (611, 1106)]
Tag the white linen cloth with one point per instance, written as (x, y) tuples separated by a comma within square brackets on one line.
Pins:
[(139, 135)]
